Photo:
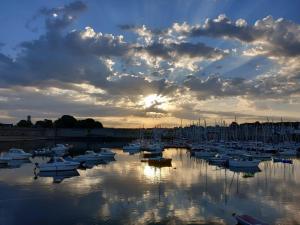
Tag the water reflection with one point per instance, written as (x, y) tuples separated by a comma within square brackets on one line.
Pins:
[(128, 191), (14, 164), (58, 176)]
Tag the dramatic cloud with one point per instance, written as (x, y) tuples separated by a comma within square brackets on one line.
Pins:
[(184, 49), (274, 37), (173, 72), (270, 87)]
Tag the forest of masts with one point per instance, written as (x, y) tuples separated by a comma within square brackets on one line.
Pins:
[(268, 132)]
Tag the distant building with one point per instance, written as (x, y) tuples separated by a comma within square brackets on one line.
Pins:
[(29, 119)]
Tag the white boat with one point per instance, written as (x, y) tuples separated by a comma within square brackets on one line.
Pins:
[(57, 164), (60, 149), (243, 162), (17, 154), (106, 153), (88, 156), (204, 154)]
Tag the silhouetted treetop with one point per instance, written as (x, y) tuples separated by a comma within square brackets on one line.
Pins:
[(67, 121), (24, 123), (44, 123)]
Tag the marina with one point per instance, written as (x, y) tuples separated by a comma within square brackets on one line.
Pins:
[(182, 189)]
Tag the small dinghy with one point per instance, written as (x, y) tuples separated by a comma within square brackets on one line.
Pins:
[(248, 220)]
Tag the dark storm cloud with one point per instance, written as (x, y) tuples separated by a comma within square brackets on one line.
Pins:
[(216, 86), (66, 60), (138, 29), (271, 87), (73, 57), (90, 42), (134, 86), (183, 49), (25, 101), (224, 27), (50, 58), (280, 37)]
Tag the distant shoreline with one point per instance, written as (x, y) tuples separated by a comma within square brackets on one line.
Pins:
[(33, 134)]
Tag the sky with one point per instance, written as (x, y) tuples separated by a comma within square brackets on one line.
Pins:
[(147, 63)]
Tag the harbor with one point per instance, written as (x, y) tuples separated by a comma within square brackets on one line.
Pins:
[(124, 188), (150, 112)]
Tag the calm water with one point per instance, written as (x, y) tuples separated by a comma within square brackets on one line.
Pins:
[(128, 191)]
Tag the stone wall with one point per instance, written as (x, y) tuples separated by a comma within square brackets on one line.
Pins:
[(41, 133)]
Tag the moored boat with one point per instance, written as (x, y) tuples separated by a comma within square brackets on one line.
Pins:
[(17, 154), (4, 160), (57, 164), (106, 153), (244, 161), (88, 156), (154, 147), (132, 147), (60, 149), (219, 160)]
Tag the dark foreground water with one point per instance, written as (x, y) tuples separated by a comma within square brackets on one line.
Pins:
[(128, 191)]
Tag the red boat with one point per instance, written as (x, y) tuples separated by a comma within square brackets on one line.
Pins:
[(248, 220)]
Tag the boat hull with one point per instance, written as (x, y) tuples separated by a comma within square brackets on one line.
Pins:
[(67, 167), (87, 159), (107, 155), (131, 148)]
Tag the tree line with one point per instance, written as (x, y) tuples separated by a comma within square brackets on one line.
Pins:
[(66, 121)]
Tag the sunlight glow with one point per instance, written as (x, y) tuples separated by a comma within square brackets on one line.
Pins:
[(153, 99)]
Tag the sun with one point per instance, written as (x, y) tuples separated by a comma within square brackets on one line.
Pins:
[(153, 99)]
